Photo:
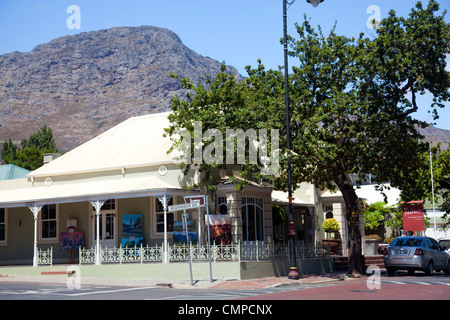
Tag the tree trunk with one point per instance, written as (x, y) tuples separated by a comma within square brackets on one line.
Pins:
[(356, 263)]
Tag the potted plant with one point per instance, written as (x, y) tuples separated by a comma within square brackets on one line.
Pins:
[(331, 226)]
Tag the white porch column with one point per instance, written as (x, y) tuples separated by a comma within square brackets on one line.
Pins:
[(35, 210), (164, 201), (97, 204)]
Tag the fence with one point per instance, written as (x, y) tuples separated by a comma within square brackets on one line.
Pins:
[(232, 252), (45, 257)]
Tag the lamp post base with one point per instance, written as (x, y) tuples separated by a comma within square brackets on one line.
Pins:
[(293, 274)]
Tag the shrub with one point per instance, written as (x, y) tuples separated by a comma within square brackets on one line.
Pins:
[(330, 225)]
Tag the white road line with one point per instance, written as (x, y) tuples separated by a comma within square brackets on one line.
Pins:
[(395, 282), (444, 283), (105, 291)]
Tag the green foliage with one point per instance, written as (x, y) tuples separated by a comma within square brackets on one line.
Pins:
[(441, 177), (279, 215), (226, 103), (375, 215), (351, 105), (330, 225), (30, 154)]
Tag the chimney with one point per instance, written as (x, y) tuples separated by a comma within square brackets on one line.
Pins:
[(49, 157)]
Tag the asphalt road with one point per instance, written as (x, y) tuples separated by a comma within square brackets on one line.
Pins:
[(400, 287), (431, 288)]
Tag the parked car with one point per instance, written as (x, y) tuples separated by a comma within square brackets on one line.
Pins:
[(445, 243), (416, 253)]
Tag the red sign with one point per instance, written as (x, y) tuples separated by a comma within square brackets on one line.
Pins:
[(189, 199), (413, 219)]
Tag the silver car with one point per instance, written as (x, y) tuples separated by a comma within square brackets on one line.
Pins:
[(416, 253)]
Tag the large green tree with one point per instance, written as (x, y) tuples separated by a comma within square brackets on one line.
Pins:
[(352, 102), (30, 153)]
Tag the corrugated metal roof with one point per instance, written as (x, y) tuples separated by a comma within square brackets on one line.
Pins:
[(11, 172), (124, 161), (136, 142)]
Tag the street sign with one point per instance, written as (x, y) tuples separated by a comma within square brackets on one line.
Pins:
[(185, 206), (190, 199)]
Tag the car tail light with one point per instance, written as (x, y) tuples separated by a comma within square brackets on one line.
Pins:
[(418, 252), (385, 251)]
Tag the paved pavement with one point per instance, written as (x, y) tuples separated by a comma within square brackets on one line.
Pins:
[(260, 283)]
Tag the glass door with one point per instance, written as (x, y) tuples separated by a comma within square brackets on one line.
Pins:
[(107, 222)]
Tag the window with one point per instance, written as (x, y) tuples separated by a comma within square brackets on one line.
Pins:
[(328, 211), (444, 243), (108, 225), (221, 205), (109, 205), (433, 244), (252, 219), (2, 225), (160, 217), (48, 222), (406, 242)]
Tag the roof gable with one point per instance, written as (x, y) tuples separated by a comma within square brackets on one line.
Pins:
[(136, 142)]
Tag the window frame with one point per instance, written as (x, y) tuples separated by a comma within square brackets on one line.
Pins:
[(4, 242), (258, 210), (221, 201), (41, 220), (156, 214)]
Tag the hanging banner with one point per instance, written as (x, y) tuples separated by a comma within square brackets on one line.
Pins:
[(413, 218)]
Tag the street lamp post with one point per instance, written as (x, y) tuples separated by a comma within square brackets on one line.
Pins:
[(293, 273)]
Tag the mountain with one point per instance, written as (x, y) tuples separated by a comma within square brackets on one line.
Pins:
[(83, 84), (435, 135)]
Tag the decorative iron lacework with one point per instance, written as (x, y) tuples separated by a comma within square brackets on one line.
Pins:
[(45, 257), (233, 252)]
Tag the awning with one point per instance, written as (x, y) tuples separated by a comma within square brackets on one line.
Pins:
[(75, 191)]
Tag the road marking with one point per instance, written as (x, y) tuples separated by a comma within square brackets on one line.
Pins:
[(395, 282), (424, 283), (106, 291), (444, 283)]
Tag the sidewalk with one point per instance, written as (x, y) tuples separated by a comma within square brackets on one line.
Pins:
[(279, 281), (234, 284)]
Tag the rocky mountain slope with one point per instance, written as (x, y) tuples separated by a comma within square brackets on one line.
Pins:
[(436, 135), (82, 85)]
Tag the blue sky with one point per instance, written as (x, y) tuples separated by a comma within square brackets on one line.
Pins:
[(237, 32)]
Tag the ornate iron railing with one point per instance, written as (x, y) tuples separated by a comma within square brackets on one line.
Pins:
[(231, 252), (45, 257)]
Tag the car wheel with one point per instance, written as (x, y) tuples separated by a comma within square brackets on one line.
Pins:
[(429, 269), (447, 270), (390, 271)]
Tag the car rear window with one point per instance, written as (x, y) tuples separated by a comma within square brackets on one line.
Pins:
[(407, 242)]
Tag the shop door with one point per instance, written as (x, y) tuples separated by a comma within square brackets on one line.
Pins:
[(107, 223)]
